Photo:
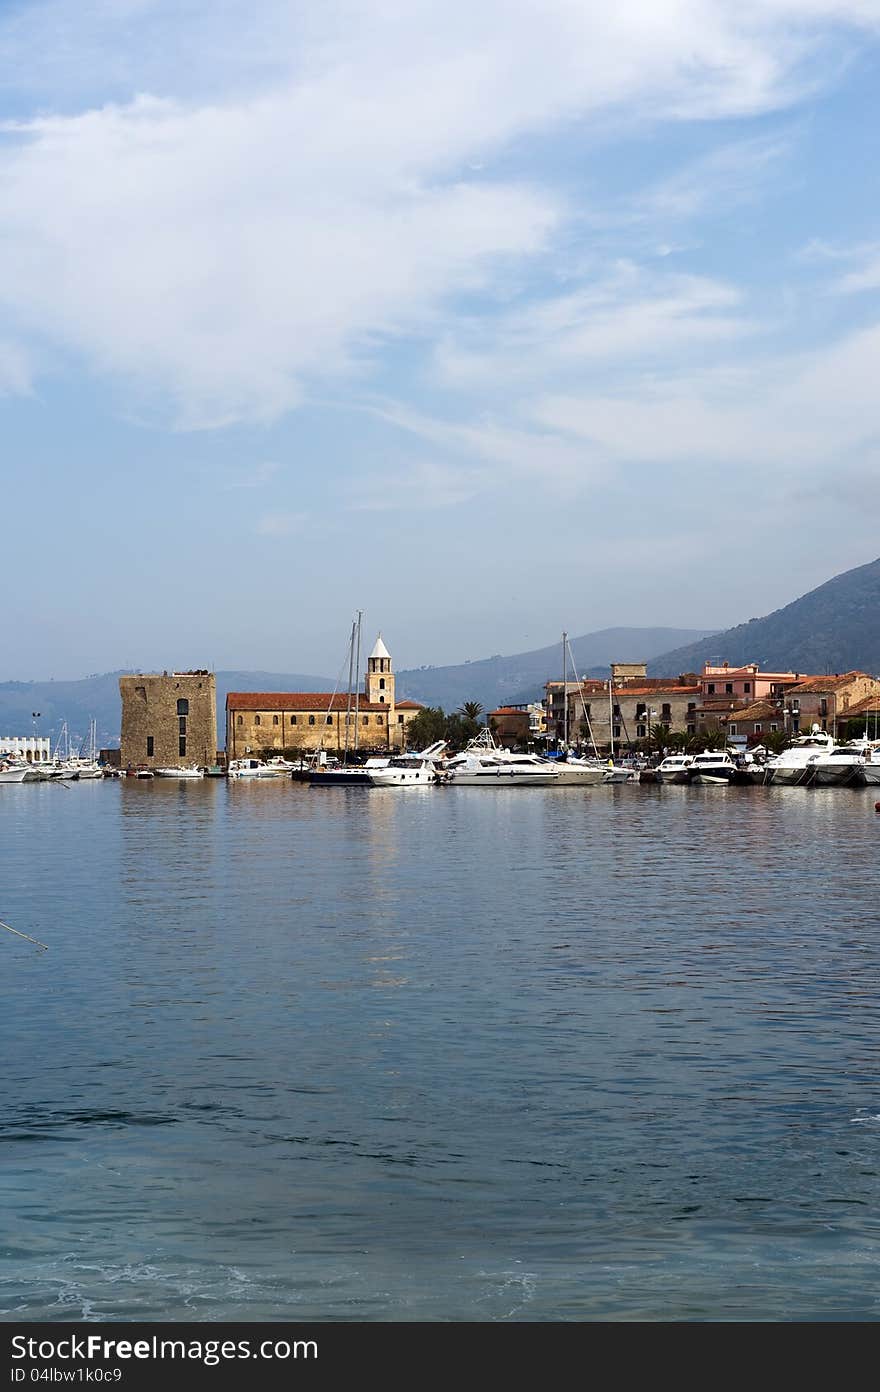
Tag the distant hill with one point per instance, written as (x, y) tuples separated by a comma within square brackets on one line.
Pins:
[(520, 678), (835, 628), (97, 697)]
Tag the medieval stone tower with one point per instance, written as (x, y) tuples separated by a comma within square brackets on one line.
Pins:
[(379, 684)]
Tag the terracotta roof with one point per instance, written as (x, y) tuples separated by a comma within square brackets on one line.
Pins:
[(870, 703), (319, 701), (670, 688), (759, 710), (510, 710), (820, 684), (408, 705)]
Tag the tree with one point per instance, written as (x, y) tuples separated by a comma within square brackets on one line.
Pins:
[(658, 737), (471, 710), (427, 727)]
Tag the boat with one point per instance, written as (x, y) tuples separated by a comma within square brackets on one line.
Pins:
[(674, 768), (85, 763), (573, 770), (15, 771), (795, 766), (179, 771), (842, 766), (251, 768), (619, 773), (404, 770), (483, 764), (714, 766)]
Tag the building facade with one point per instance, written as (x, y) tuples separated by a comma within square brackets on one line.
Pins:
[(302, 722), (168, 720), (34, 749)]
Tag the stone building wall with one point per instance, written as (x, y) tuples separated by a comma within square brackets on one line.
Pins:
[(168, 719), (290, 721)]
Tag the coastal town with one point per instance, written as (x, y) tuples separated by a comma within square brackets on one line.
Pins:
[(723, 724)]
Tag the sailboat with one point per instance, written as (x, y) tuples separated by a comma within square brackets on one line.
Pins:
[(86, 762), (356, 774), (575, 771)]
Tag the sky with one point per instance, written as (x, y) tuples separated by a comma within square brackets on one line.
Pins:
[(488, 320)]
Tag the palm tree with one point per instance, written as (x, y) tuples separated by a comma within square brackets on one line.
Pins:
[(658, 736), (471, 710)]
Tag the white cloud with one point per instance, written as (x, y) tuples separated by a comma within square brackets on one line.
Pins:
[(295, 186)]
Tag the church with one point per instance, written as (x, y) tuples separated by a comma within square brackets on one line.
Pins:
[(300, 722)]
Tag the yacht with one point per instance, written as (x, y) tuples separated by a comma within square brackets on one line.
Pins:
[(714, 766), (404, 770), (179, 771), (795, 765), (842, 766), (251, 768), (871, 769), (575, 772), (484, 764), (13, 771), (674, 768)]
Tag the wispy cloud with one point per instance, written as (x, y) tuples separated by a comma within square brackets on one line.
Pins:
[(296, 187)]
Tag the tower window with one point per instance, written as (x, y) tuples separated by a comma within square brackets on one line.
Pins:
[(149, 746), (181, 725), (381, 683), (183, 707), (181, 746)]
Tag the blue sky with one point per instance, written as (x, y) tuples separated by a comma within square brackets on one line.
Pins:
[(488, 320)]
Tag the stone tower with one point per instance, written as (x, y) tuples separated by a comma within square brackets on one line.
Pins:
[(168, 720), (379, 685)]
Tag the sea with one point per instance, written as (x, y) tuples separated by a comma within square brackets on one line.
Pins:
[(444, 1054)]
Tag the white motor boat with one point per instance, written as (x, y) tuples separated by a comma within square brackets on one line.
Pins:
[(14, 772), (674, 768), (404, 770), (483, 764), (179, 771), (252, 768), (841, 766), (574, 772), (871, 769), (795, 765), (714, 766), (619, 773)]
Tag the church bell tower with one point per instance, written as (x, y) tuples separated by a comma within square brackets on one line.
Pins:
[(380, 678)]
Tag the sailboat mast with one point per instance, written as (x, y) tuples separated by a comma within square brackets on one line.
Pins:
[(564, 691), (611, 719), (348, 702), (357, 676)]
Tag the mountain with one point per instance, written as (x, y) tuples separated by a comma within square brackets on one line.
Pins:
[(520, 678), (97, 697), (835, 628)]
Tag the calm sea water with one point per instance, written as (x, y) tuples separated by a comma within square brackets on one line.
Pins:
[(453, 1054)]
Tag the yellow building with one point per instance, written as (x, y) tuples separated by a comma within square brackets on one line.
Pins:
[(302, 722)]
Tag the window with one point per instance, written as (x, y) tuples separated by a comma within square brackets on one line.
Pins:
[(711, 688), (823, 706), (183, 707), (692, 706), (380, 720), (381, 683), (589, 710), (728, 688), (640, 732), (732, 730), (181, 725), (666, 711), (747, 686), (692, 729), (149, 746), (615, 711), (293, 720), (181, 746), (238, 720), (329, 720), (365, 720), (617, 732), (796, 706), (257, 720), (400, 720), (773, 729), (311, 720), (382, 700), (274, 719), (758, 728)]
